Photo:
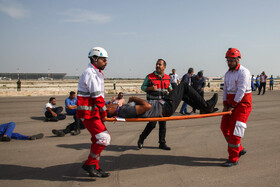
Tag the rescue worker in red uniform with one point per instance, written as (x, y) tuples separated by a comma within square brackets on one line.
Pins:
[(91, 109), (236, 98), (157, 85)]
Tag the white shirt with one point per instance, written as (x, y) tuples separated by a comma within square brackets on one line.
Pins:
[(48, 105), (174, 78), (91, 83), (237, 82)]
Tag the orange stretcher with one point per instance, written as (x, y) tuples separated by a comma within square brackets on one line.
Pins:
[(167, 118)]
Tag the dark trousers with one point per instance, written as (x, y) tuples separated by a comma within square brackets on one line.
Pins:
[(262, 86), (76, 125), (173, 85), (271, 86), (182, 92), (201, 93), (56, 110), (150, 126)]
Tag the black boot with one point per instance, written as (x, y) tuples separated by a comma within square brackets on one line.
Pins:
[(243, 152), (58, 133), (36, 136), (92, 171), (210, 105), (164, 147), (103, 173), (229, 163)]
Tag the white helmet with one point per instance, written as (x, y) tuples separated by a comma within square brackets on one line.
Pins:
[(98, 51)]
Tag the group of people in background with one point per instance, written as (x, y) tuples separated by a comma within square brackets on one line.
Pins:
[(259, 83), (198, 82)]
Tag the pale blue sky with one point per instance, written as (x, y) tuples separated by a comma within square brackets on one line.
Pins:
[(37, 35)]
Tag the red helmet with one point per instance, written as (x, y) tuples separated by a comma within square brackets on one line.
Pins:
[(233, 52)]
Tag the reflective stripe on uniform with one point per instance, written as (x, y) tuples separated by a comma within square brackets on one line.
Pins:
[(102, 109), (233, 145), (81, 93), (162, 90), (235, 91), (86, 107), (93, 155), (95, 93)]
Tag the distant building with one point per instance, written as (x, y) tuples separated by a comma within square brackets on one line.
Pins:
[(37, 76)]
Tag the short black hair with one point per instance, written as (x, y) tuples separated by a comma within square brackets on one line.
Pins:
[(200, 74), (164, 63), (52, 98), (190, 70), (72, 92)]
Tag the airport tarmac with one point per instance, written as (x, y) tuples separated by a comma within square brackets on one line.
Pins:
[(198, 149)]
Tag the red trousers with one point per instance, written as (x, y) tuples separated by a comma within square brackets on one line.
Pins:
[(233, 126), (100, 139)]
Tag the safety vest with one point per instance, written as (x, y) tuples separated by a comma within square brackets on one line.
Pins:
[(91, 85), (162, 84)]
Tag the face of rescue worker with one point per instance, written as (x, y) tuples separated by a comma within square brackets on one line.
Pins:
[(101, 63), (232, 62), (173, 71), (160, 67)]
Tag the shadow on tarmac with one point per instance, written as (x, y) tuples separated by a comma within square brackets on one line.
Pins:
[(115, 148), (65, 172), (40, 118), (73, 171)]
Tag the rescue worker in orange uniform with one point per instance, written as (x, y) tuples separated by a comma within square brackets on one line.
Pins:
[(236, 98), (91, 109), (157, 85)]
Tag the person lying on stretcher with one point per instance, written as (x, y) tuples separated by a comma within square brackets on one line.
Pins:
[(139, 108)]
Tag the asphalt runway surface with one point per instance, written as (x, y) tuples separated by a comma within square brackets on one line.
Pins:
[(198, 149)]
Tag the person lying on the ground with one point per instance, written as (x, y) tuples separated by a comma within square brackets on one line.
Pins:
[(71, 128), (6, 133), (53, 113), (139, 108)]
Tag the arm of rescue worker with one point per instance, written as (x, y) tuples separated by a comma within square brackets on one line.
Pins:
[(225, 104), (94, 88), (243, 83), (147, 87), (50, 110), (142, 106)]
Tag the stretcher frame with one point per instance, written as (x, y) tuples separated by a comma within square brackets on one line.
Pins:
[(171, 118)]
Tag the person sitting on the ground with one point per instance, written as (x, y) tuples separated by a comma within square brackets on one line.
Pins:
[(119, 100), (139, 108), (71, 109), (6, 133), (53, 113), (71, 128)]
